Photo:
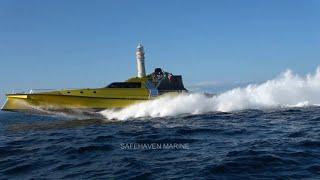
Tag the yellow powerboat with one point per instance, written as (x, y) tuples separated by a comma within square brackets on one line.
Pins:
[(114, 96)]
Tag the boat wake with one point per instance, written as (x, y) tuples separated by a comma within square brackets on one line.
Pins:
[(287, 90), (55, 111)]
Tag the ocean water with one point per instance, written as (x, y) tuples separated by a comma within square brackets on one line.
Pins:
[(262, 131), (270, 143)]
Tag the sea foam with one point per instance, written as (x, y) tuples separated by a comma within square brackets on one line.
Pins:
[(286, 90)]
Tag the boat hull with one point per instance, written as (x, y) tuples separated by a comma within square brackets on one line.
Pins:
[(42, 103)]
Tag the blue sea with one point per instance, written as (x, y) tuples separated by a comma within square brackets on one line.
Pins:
[(280, 143)]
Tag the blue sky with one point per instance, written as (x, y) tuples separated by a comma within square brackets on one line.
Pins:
[(74, 43)]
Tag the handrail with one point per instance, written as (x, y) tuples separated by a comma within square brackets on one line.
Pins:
[(173, 91), (32, 91)]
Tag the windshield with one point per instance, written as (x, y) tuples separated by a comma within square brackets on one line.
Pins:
[(124, 85)]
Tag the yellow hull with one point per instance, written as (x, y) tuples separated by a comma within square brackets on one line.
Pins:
[(38, 102), (115, 96)]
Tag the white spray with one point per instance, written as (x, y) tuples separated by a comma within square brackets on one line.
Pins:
[(287, 90)]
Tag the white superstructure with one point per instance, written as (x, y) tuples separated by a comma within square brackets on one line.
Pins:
[(140, 61)]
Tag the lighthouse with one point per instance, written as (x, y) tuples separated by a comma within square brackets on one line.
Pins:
[(140, 61)]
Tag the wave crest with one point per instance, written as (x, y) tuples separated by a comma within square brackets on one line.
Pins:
[(287, 90)]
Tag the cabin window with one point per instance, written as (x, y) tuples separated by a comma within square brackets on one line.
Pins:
[(94, 92), (68, 92), (124, 85), (81, 92)]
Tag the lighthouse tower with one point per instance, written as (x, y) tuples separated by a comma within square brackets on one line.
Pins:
[(140, 61)]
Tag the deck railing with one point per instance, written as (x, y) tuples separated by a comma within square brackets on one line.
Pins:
[(32, 91)]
